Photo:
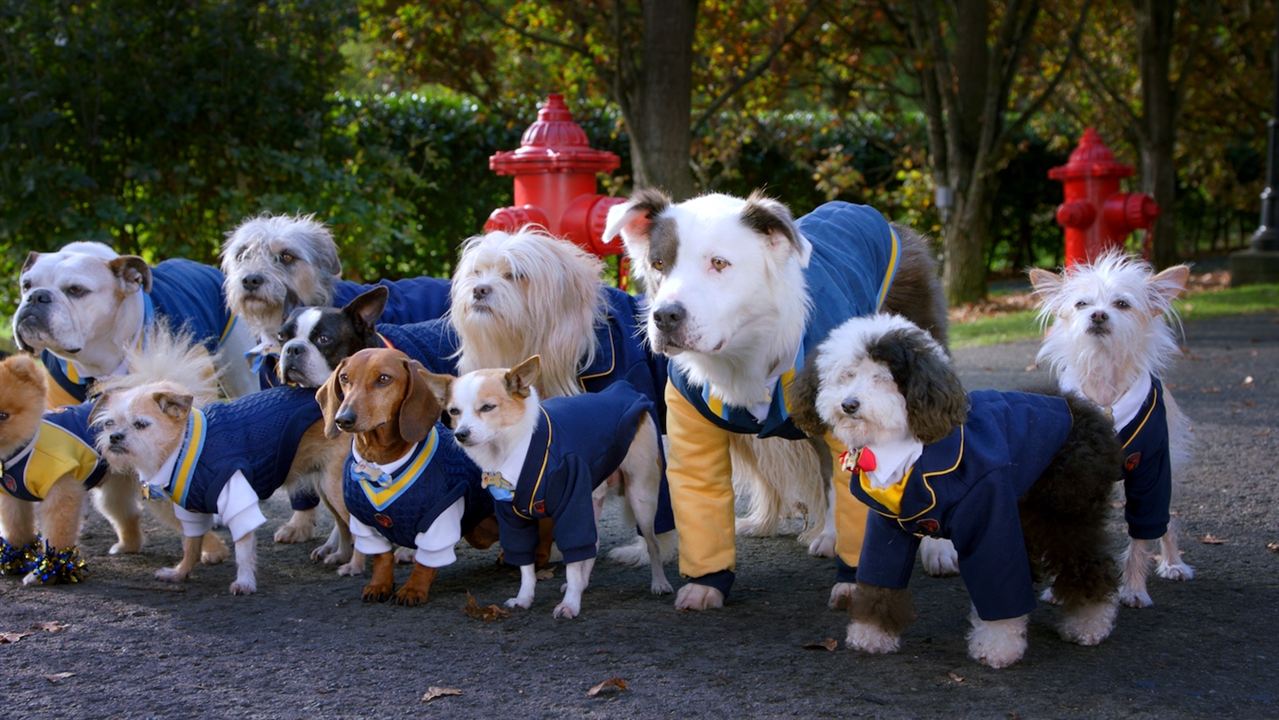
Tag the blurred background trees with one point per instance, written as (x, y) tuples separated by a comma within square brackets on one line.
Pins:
[(157, 126)]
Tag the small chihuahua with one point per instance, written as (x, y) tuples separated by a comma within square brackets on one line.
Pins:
[(545, 459), (1110, 340)]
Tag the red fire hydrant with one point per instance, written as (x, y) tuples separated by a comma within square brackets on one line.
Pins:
[(554, 170), (1095, 215)]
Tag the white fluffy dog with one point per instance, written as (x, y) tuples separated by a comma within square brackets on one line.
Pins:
[(1111, 338)]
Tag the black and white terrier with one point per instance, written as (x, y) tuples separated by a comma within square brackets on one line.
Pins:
[(1110, 340), (1018, 482)]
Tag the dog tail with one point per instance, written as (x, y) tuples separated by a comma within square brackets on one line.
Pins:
[(169, 355)]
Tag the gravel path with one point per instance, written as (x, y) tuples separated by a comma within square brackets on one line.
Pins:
[(305, 646)]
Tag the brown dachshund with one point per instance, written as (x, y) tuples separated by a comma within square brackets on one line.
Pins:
[(381, 397)]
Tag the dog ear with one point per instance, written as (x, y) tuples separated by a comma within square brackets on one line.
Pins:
[(802, 400), (319, 240), (772, 219), (522, 377), (31, 260), (24, 369), (419, 409), (634, 218), (1168, 285), (175, 405), (935, 399), (1044, 282), (131, 270), (366, 308), (330, 397), (440, 386)]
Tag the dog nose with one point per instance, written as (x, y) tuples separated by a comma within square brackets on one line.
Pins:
[(1099, 317), (462, 434), (293, 349), (43, 297), (345, 419), (116, 438), (252, 282), (668, 318), (850, 406), (481, 291)]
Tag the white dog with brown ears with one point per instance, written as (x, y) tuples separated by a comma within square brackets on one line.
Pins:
[(1111, 339), (516, 295), (739, 296)]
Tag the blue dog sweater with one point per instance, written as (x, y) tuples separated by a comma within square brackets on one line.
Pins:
[(257, 435), (63, 445), (855, 257), (966, 487), (578, 443), (404, 503), (187, 294), (1147, 467), (408, 301), (432, 343)]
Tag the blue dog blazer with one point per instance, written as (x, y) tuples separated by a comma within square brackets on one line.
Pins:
[(187, 294), (966, 487), (854, 259), (256, 435), (578, 443), (401, 504), (64, 445), (1147, 467)]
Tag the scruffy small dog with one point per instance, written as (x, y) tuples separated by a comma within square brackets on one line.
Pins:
[(1110, 340), (221, 459), (1014, 480), (406, 481), (48, 463), (544, 459), (515, 295)]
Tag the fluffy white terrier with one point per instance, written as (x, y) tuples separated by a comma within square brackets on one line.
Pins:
[(1112, 330)]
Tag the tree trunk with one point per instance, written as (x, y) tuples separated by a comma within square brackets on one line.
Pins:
[(964, 239), (1156, 24), (660, 118)]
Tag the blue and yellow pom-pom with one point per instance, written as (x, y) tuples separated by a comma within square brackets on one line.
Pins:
[(17, 560), (55, 565)]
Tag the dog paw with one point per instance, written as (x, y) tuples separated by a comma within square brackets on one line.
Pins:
[(751, 527), (823, 545), (871, 639), (939, 557), (410, 596), (126, 546), (997, 643), (244, 587), (841, 594), (329, 556), (353, 568), (1175, 571), (1090, 624), (213, 550), (405, 555), (567, 610), (635, 554), (290, 534), (519, 602), (376, 593), (170, 575), (660, 586), (1135, 598), (698, 597)]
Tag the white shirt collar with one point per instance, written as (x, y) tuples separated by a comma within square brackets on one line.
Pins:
[(390, 467), (160, 479), (892, 460), (760, 409), (513, 465), (1125, 407)]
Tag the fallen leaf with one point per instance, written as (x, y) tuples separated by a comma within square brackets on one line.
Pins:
[(1273, 547), (59, 677), (1247, 381), (488, 613), (955, 676), (614, 682), (433, 693), (52, 626), (829, 645), (12, 637), (1211, 539)]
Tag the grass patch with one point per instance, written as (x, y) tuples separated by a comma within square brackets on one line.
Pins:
[(1015, 326)]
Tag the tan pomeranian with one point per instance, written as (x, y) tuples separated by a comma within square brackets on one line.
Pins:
[(545, 459), (48, 464)]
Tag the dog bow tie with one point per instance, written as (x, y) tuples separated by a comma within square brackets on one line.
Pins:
[(497, 485), (862, 461), (371, 474), (154, 492)]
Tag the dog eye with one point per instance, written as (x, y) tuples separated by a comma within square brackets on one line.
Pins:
[(322, 340), (26, 284), (285, 258), (658, 265), (719, 264), (383, 379), (454, 412), (1081, 304), (343, 379), (1122, 304), (76, 291), (108, 423), (508, 276), (141, 424), (4, 416), (487, 407)]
